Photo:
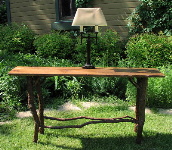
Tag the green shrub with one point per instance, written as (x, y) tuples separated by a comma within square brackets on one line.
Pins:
[(72, 87), (13, 88), (55, 44), (105, 86), (106, 52), (149, 50), (3, 12), (16, 38), (159, 93), (152, 16), (160, 89), (83, 3), (62, 45)]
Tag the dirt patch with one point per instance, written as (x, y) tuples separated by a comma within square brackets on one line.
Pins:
[(165, 111), (85, 105), (6, 122), (68, 106), (161, 111), (23, 114), (147, 110), (65, 107)]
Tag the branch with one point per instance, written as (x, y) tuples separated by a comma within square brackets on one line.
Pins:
[(133, 82), (84, 117), (101, 120)]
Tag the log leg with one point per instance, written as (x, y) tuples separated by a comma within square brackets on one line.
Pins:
[(140, 107), (32, 107), (41, 105), (35, 138)]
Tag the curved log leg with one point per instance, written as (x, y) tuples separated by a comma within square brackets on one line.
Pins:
[(32, 107), (35, 138), (140, 107)]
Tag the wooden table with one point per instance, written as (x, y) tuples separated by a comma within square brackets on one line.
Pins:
[(33, 75)]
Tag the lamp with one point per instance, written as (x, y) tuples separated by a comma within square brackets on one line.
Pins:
[(89, 17)]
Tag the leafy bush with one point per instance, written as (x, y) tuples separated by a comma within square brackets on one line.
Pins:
[(64, 46), (82, 3), (106, 52), (159, 94), (3, 12), (55, 44), (160, 89), (149, 50), (152, 16), (86, 87), (11, 91), (13, 88), (72, 87), (105, 86), (16, 38)]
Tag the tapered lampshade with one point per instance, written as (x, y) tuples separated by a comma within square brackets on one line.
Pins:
[(89, 17)]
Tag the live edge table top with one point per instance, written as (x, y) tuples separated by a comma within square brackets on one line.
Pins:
[(80, 72)]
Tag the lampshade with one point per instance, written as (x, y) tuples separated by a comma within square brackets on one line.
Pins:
[(89, 17)]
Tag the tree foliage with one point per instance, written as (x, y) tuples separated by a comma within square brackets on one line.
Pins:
[(16, 38), (3, 12), (82, 3), (152, 16), (149, 50)]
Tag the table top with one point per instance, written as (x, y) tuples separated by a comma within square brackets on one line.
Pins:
[(79, 71)]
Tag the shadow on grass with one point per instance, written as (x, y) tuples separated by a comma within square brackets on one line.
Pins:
[(5, 129), (58, 146), (151, 141)]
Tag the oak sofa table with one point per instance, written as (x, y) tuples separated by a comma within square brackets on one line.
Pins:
[(137, 76)]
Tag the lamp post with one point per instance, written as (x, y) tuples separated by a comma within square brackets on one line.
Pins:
[(89, 17)]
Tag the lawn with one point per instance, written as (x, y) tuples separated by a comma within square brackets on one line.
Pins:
[(18, 134)]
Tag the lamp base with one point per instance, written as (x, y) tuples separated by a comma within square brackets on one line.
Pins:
[(88, 66)]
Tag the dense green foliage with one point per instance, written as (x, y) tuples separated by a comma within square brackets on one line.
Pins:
[(152, 16), (87, 87), (153, 51), (149, 50), (160, 89), (3, 12), (16, 38), (107, 52), (82, 3), (159, 93), (53, 45), (12, 88)]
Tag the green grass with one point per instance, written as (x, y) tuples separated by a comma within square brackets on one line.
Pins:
[(18, 134)]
